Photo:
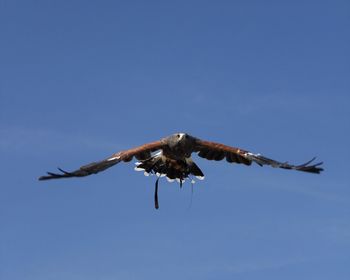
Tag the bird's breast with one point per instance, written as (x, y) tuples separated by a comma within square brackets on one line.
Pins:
[(176, 153)]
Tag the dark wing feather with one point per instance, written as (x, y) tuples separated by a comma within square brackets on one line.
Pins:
[(217, 151), (141, 152)]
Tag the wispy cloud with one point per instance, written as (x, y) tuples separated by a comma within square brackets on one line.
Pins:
[(316, 190), (246, 103), (312, 191), (25, 140), (263, 264), (338, 231)]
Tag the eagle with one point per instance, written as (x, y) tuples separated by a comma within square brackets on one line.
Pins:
[(170, 157)]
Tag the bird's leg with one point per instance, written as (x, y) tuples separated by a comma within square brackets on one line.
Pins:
[(156, 204)]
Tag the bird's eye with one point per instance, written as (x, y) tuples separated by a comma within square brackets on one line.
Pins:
[(178, 135)]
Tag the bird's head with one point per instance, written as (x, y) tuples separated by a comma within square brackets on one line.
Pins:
[(179, 139), (180, 136)]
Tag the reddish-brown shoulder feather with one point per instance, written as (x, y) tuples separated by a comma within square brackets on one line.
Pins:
[(216, 151)]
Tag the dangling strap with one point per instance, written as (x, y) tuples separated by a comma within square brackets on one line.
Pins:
[(156, 204), (192, 182)]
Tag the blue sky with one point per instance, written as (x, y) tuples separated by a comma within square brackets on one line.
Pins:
[(81, 80)]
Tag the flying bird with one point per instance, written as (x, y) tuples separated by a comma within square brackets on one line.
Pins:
[(171, 157)]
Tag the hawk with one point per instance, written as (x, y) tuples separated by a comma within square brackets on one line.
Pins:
[(171, 157)]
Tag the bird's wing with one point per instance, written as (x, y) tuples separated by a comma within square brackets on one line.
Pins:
[(216, 151), (141, 153)]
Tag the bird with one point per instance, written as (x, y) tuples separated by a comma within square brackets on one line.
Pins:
[(170, 157)]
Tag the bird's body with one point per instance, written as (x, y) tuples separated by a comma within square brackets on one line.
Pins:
[(171, 157), (174, 160)]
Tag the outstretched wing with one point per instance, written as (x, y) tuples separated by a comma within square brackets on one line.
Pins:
[(217, 151), (141, 153)]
